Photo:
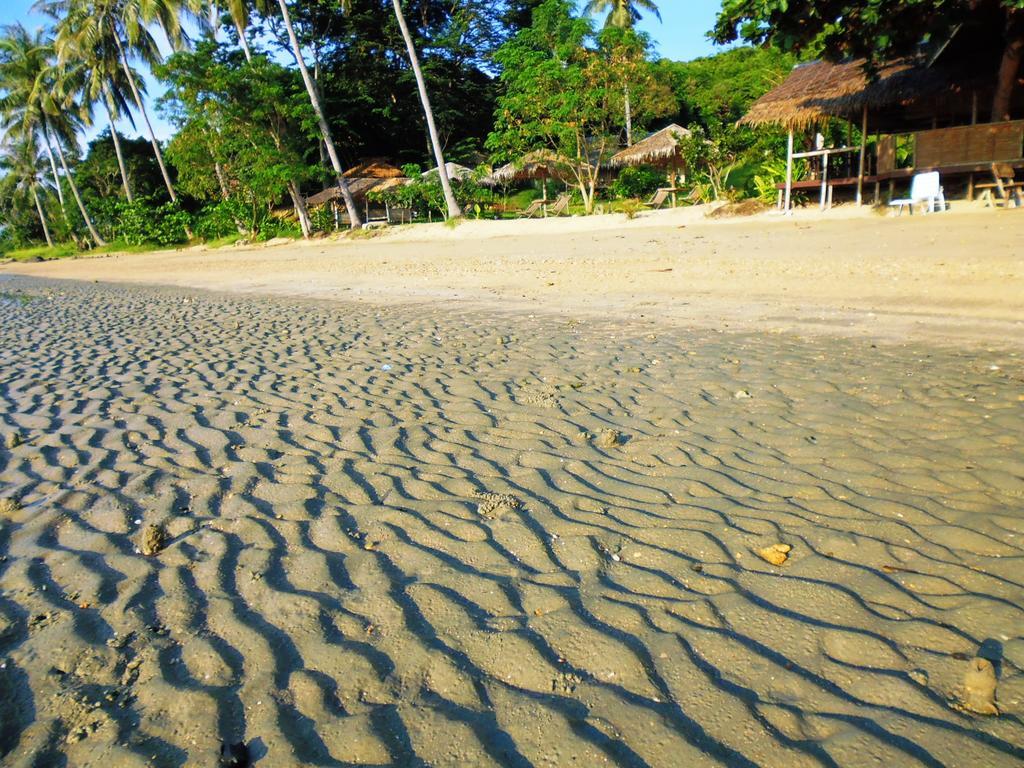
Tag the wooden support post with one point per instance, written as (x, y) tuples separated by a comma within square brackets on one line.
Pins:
[(974, 107), (789, 173), (970, 188), (824, 181), (863, 154)]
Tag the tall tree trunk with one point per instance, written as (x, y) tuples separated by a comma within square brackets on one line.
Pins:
[(117, 146), (300, 209), (629, 117), (449, 197), (243, 42), (53, 167), (325, 129), (1008, 72), (42, 217), (78, 198), (145, 116)]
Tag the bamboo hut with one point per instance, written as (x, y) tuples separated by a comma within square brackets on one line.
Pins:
[(540, 164), (662, 149), (934, 100), (372, 175)]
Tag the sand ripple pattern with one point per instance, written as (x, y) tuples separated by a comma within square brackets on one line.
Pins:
[(339, 588)]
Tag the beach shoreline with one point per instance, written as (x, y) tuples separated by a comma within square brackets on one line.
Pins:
[(951, 277)]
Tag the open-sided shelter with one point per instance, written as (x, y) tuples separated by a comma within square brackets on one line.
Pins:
[(937, 102)]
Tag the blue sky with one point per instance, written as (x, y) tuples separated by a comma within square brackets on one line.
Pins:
[(680, 36)]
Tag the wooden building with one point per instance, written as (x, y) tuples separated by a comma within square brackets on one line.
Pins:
[(934, 106)]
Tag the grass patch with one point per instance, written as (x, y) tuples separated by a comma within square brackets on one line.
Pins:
[(70, 251)]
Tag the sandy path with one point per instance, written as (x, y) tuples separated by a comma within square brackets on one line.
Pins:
[(956, 277), (335, 591)]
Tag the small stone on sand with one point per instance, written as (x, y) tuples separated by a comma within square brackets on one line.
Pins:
[(609, 438), (979, 694), (12, 440), (776, 554), (152, 541), (9, 507), (497, 504), (742, 394)]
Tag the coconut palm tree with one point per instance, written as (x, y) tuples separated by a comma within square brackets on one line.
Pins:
[(21, 58), (20, 164), (102, 81), (623, 14), (34, 100), (442, 171), (123, 25), (325, 129), (240, 12)]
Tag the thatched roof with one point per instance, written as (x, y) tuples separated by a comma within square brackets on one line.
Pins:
[(658, 148), (374, 168), (358, 187), (819, 90), (539, 164)]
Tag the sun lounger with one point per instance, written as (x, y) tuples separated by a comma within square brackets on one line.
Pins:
[(1004, 184), (535, 208), (924, 188), (658, 198), (560, 207)]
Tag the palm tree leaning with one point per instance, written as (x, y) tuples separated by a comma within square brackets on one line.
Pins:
[(325, 129), (238, 10), (34, 100), (454, 211), (20, 162), (122, 25), (21, 57), (102, 81), (623, 14)]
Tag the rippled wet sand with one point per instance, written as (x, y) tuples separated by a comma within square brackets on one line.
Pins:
[(407, 536)]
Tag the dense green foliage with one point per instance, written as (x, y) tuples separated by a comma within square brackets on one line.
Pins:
[(879, 30), (505, 80)]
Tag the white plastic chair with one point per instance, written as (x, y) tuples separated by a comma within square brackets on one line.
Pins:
[(924, 188)]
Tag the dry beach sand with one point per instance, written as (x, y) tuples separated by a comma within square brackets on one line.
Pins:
[(603, 531)]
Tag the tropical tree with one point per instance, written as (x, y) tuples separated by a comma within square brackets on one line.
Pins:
[(123, 26), (623, 14), (21, 177), (103, 81), (321, 119), (449, 197), (562, 95), (253, 112), (35, 100), (876, 29)]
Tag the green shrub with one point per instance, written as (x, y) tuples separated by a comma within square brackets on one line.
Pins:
[(638, 181)]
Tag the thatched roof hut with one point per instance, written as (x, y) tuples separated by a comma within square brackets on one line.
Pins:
[(539, 164), (374, 168), (660, 148), (816, 92), (373, 174)]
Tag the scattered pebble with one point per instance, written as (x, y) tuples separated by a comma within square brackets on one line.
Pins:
[(9, 506), (609, 438), (776, 554), (12, 440), (979, 689), (742, 394), (152, 540)]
